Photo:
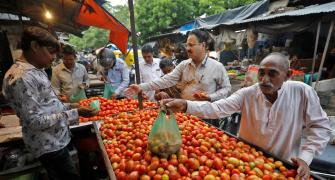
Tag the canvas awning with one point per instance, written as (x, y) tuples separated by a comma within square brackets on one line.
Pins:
[(71, 16), (92, 14)]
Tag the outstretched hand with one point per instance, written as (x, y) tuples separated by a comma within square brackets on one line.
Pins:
[(174, 105), (132, 90), (161, 95), (303, 169), (87, 112)]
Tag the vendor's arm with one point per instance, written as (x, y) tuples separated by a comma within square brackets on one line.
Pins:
[(223, 85), (125, 79), (27, 94), (100, 74), (317, 126), (217, 109), (166, 81)]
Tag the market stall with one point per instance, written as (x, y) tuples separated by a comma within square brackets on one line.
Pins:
[(206, 152)]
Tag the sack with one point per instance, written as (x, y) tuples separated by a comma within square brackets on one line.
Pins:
[(108, 91), (164, 138), (95, 105), (79, 95)]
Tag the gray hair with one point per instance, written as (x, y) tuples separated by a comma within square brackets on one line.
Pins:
[(283, 58)]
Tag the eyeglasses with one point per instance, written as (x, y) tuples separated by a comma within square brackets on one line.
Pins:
[(271, 73)]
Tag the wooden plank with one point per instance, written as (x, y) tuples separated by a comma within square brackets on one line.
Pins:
[(103, 152)]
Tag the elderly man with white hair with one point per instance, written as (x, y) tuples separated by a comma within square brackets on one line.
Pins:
[(274, 113)]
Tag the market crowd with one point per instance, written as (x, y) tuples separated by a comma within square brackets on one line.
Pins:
[(275, 111)]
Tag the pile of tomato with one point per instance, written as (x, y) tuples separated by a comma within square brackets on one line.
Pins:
[(113, 106), (207, 153)]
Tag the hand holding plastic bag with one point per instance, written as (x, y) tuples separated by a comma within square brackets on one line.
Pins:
[(108, 91), (164, 138), (95, 105), (79, 95)]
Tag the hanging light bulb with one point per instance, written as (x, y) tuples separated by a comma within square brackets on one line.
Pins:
[(48, 15)]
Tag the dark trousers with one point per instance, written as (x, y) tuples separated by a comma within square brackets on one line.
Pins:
[(59, 165)]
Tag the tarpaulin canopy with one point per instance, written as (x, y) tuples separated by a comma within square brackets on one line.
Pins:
[(227, 17), (71, 16), (63, 13), (290, 21), (92, 14)]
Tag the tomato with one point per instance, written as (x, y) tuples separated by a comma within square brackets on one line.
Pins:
[(133, 176)]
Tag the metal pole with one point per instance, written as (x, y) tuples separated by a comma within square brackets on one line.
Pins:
[(134, 41), (324, 53), (315, 51)]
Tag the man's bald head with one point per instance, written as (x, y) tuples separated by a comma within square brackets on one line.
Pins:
[(279, 59)]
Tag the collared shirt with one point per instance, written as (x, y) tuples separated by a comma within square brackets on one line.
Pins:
[(150, 72), (65, 81), (118, 76), (277, 127), (44, 119), (210, 77)]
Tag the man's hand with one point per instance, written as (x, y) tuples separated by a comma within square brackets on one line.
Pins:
[(87, 112), (102, 78), (132, 90), (174, 105), (161, 95), (63, 98), (201, 96), (114, 96), (74, 105), (145, 96), (303, 169), (82, 86)]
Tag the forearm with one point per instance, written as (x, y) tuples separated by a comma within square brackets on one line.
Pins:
[(122, 86), (162, 83), (218, 109), (125, 81), (40, 121)]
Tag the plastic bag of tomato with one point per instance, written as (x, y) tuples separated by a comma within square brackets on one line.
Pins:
[(206, 152)]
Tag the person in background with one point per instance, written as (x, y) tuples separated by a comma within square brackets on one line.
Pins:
[(90, 58), (114, 71), (149, 69), (274, 113), (69, 77), (180, 54), (295, 62), (210, 48), (167, 66), (195, 77), (166, 52), (44, 118)]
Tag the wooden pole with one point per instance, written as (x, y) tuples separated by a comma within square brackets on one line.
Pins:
[(324, 54), (315, 51), (134, 42)]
